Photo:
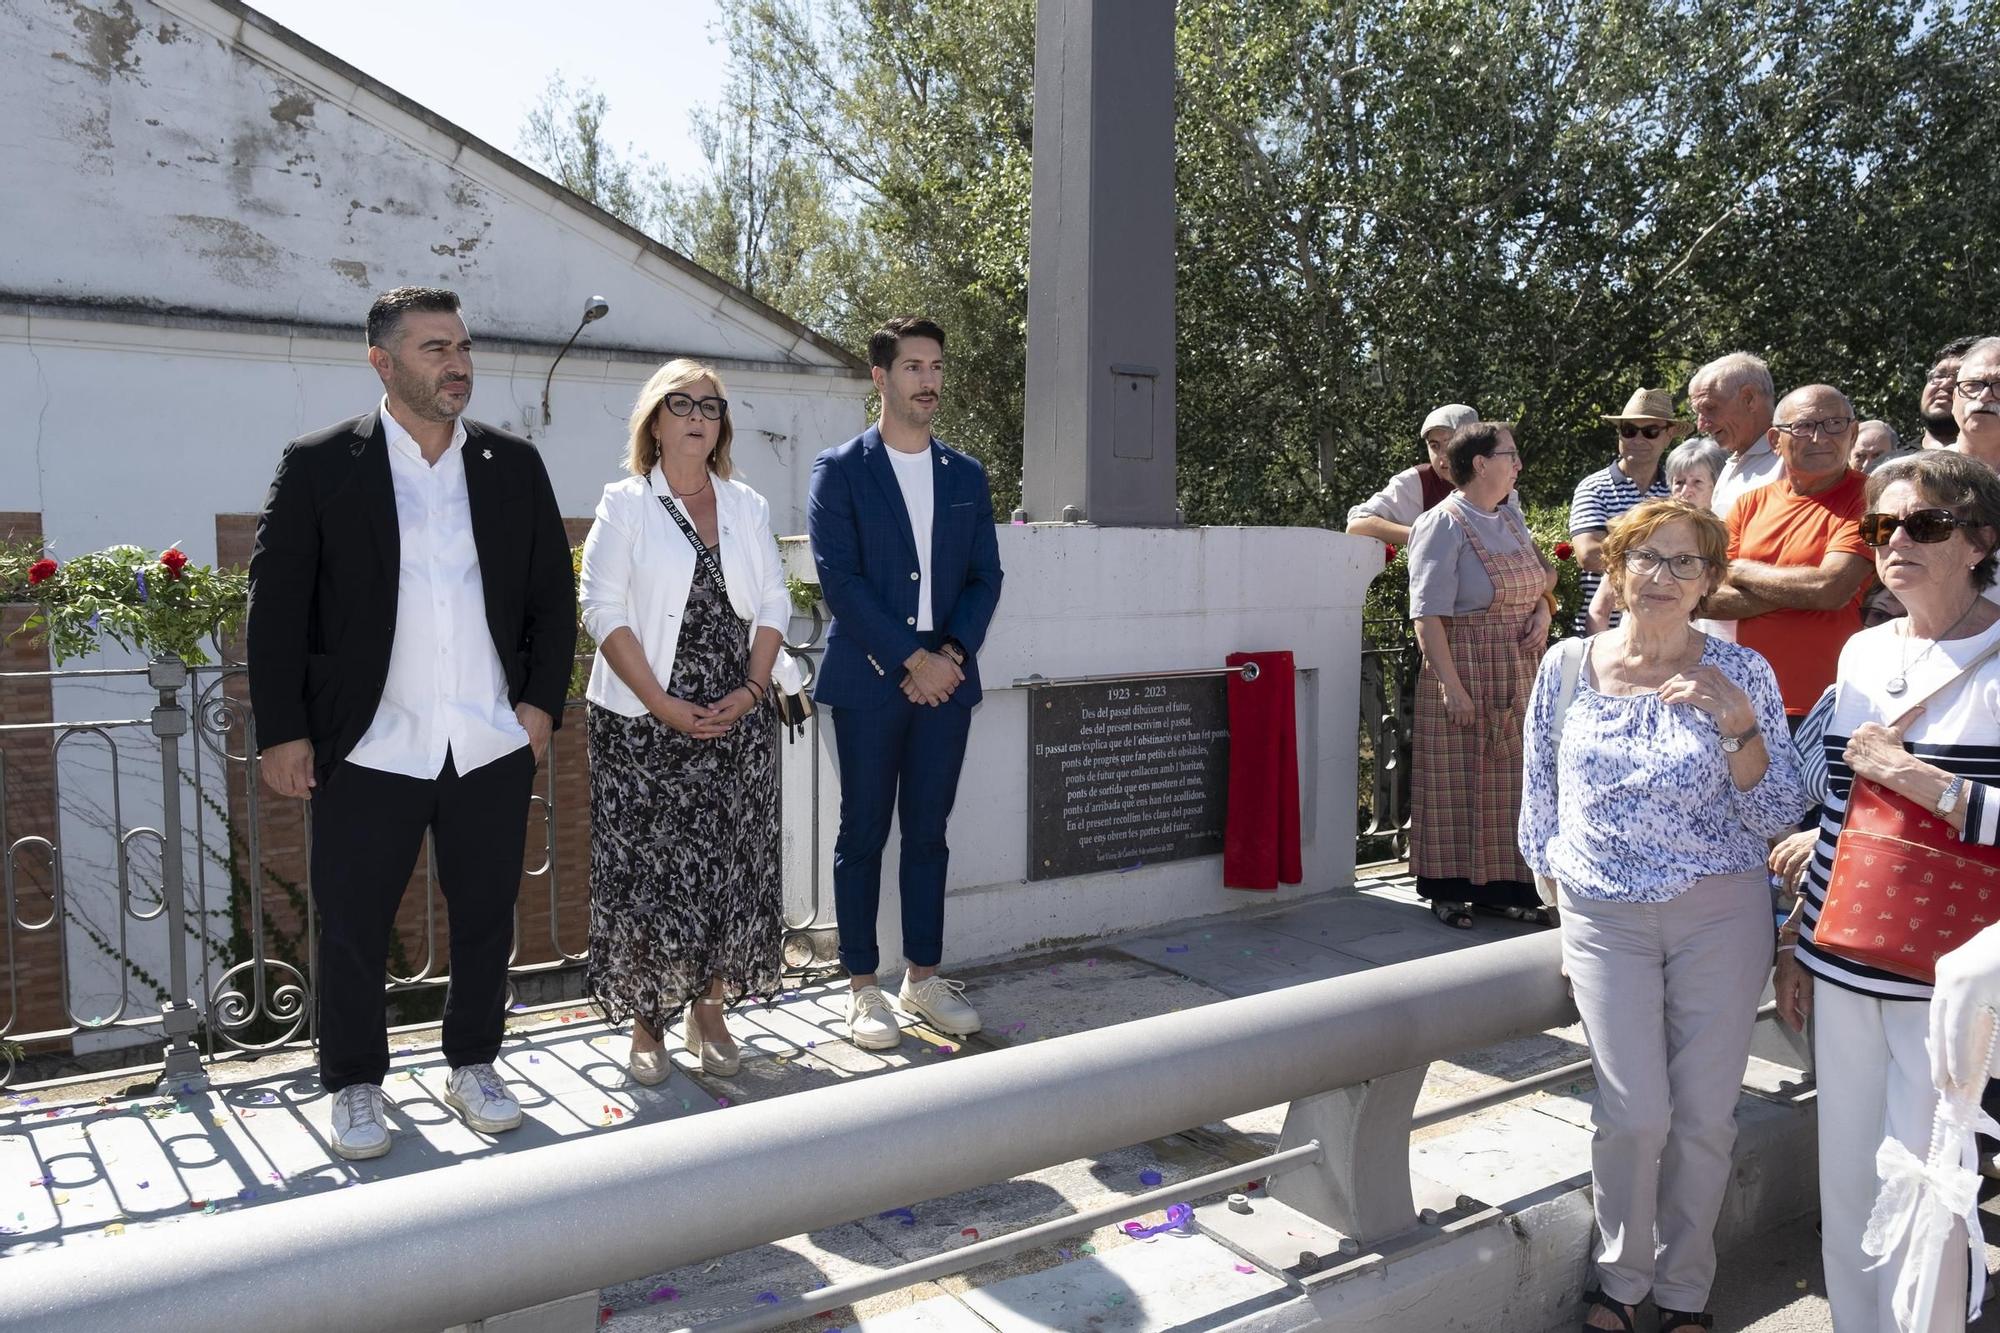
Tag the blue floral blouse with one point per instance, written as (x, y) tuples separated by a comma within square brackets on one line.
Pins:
[(1645, 805)]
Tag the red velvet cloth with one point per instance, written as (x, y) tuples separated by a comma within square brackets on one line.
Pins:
[(1260, 840)]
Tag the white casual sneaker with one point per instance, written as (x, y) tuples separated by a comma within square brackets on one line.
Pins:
[(359, 1131), (871, 1024), (940, 1002), (476, 1092)]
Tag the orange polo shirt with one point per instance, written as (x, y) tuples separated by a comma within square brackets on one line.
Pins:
[(1776, 525)]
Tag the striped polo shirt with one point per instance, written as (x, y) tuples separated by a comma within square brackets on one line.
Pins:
[(1600, 498)]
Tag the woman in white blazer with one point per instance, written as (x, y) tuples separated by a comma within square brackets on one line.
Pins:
[(683, 590)]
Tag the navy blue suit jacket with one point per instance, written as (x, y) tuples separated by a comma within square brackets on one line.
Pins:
[(867, 559)]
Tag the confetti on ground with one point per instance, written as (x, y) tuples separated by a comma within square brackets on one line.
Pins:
[(1017, 1027), (1245, 1268), (1086, 1248), (62, 1198), (1178, 1217), (907, 1216), (1149, 1178), (767, 1298), (1062, 1253), (970, 1233), (810, 1045), (1090, 962), (1114, 1299), (1177, 948), (115, 1229), (722, 1101), (946, 1049), (658, 1294), (604, 1312)]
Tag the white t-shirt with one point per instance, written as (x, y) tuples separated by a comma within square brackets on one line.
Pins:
[(913, 474)]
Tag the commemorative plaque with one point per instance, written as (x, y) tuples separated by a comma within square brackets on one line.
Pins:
[(1125, 773)]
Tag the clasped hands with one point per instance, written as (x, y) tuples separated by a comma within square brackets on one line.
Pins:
[(930, 678), (705, 722)]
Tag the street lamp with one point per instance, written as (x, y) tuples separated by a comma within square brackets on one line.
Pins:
[(596, 308)]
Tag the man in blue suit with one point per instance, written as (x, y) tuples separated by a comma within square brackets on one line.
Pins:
[(901, 526)]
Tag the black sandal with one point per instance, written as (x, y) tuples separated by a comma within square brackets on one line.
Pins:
[(1596, 1297), (1673, 1319), (1456, 915)]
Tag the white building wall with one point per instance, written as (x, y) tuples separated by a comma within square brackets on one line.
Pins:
[(1080, 601)]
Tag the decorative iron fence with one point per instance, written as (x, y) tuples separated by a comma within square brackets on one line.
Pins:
[(198, 925), (1390, 660)]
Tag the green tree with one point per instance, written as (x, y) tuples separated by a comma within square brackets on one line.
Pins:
[(564, 136)]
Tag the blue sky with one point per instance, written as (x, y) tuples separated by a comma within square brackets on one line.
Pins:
[(482, 65)]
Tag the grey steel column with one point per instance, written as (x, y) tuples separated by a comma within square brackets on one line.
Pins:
[(179, 1016), (1099, 431)]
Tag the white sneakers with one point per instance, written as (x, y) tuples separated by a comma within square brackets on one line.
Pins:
[(477, 1093), (871, 1024), (940, 1003), (359, 1131)]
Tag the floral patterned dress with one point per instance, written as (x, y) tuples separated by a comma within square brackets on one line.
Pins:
[(684, 879)]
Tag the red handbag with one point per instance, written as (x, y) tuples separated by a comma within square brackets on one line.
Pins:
[(1904, 890)]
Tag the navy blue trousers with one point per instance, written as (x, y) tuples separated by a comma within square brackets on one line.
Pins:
[(900, 759)]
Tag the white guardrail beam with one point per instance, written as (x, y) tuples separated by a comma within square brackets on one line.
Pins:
[(512, 1230)]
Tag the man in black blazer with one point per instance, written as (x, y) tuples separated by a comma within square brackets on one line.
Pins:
[(411, 629)]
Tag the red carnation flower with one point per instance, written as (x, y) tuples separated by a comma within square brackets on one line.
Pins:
[(1564, 550), (1388, 553), (41, 572), (174, 561)]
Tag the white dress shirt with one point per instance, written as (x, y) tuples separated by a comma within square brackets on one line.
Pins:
[(913, 478), (638, 566), (1756, 466), (446, 690)]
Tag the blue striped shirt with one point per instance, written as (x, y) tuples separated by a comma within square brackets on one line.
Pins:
[(1600, 498), (1958, 731)]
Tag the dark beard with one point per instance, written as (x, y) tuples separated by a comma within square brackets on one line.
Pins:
[(1942, 427)]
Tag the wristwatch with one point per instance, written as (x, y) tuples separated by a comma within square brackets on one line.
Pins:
[(1949, 801), (1731, 744)]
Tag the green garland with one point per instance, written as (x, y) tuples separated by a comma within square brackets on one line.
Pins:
[(154, 603)]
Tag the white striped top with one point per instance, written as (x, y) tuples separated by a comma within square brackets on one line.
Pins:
[(1959, 732)]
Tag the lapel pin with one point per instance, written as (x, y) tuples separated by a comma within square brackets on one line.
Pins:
[(486, 453)]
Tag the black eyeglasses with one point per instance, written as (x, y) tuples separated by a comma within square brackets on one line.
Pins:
[(1975, 389), (1626, 430), (1926, 526), (1805, 430), (1646, 563), (681, 405)]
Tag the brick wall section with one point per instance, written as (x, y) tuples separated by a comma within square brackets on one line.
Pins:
[(32, 982), (283, 830)]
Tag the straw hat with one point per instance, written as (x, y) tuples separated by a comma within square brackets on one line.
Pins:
[(1650, 405)]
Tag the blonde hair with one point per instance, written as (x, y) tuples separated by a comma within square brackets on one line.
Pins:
[(642, 451), (1639, 523)]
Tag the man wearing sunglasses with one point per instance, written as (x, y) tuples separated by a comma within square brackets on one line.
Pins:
[(1646, 429), (1975, 403), (1797, 564)]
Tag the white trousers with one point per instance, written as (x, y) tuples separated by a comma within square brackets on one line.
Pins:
[(1668, 993), (1874, 1080)]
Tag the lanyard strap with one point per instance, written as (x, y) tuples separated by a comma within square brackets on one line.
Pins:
[(703, 556)]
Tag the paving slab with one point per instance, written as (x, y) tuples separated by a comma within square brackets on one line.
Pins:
[(1172, 1281)]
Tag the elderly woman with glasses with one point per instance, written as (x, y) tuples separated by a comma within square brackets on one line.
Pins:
[(1652, 795), (1480, 597), (1885, 1041), (683, 591)]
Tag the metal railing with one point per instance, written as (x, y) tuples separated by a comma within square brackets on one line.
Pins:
[(193, 890), (1348, 1054), (1390, 660)]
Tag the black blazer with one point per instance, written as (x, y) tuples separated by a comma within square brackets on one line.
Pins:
[(323, 582)]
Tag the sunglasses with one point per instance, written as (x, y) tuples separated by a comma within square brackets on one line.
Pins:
[(1926, 526), (1627, 430)]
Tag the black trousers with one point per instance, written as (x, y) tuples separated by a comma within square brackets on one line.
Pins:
[(367, 831)]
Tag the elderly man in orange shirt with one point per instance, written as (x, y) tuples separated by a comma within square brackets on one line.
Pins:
[(1797, 564)]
